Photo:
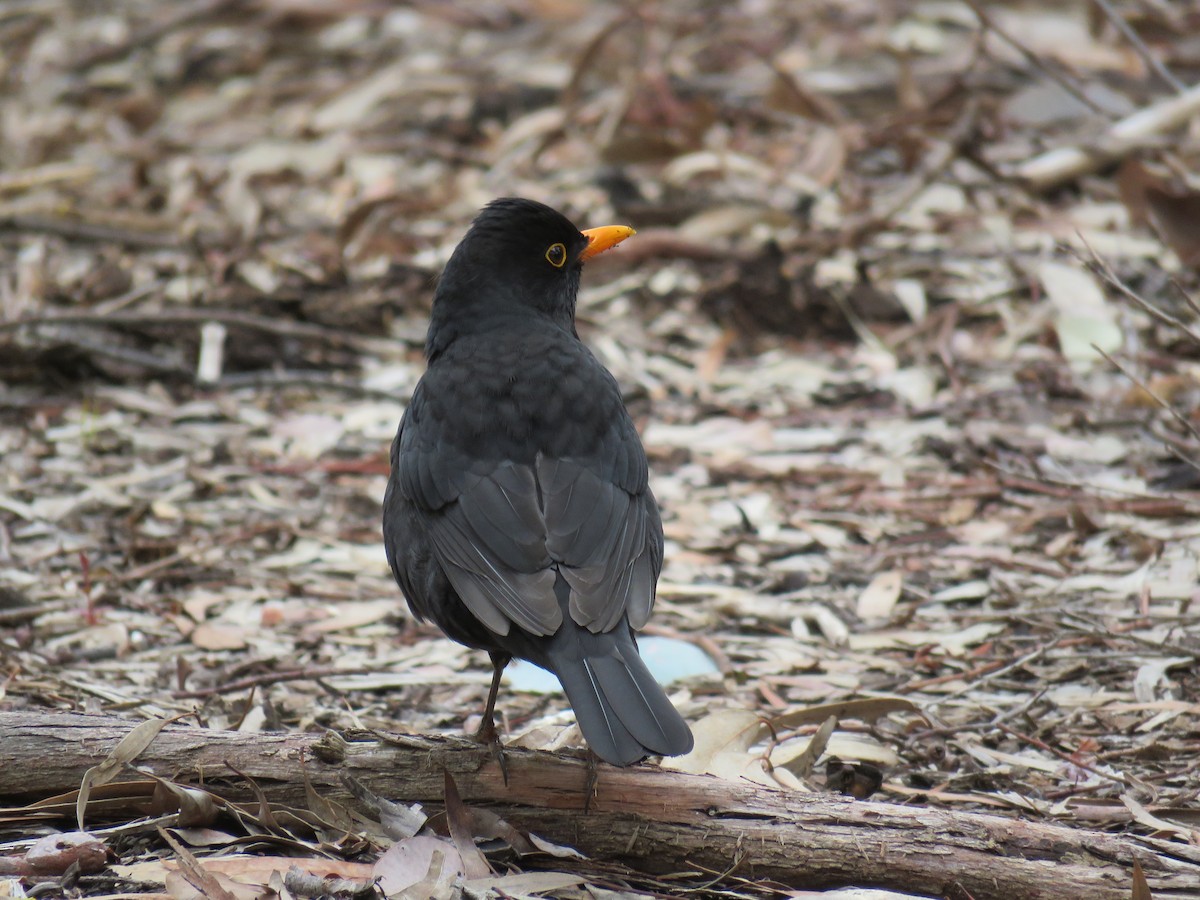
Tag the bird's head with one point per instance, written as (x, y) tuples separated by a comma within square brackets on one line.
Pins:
[(519, 257)]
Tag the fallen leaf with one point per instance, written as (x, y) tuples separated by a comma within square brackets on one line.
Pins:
[(1083, 317), (879, 597), (218, 636), (422, 860), (722, 742)]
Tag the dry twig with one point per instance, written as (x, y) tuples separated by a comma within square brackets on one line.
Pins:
[(1155, 64), (1122, 138)]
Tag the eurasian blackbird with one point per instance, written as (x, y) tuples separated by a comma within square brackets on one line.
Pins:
[(518, 517)]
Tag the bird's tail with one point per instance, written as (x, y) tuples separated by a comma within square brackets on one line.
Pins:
[(622, 711)]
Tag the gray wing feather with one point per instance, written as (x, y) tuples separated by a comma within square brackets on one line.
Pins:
[(502, 535), (600, 534), (492, 544)]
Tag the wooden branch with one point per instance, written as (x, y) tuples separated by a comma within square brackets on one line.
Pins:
[(201, 315), (81, 226), (1064, 163), (652, 819)]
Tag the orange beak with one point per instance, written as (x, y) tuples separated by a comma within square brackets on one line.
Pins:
[(604, 238)]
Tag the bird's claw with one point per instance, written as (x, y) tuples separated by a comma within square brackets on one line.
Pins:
[(488, 735)]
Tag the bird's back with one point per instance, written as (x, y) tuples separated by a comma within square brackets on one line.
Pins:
[(520, 389)]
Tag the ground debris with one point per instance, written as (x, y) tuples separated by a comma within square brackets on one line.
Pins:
[(920, 434)]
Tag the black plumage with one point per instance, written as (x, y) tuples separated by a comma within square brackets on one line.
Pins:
[(518, 517)]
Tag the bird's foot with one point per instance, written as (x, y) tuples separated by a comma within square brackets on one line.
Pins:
[(489, 735)]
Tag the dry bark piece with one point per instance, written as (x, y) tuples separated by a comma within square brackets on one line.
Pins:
[(54, 854), (1172, 209)]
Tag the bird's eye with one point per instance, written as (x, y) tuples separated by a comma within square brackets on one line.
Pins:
[(556, 255)]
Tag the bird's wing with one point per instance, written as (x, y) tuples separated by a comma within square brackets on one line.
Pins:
[(502, 535), (606, 540), (492, 545), (503, 531)]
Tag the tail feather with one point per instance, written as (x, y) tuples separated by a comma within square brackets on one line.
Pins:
[(623, 712)]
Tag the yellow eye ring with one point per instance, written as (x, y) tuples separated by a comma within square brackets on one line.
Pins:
[(556, 255)]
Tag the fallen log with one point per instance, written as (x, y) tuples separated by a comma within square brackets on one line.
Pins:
[(648, 818)]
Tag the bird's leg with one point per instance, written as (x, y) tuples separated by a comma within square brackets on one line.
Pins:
[(487, 733)]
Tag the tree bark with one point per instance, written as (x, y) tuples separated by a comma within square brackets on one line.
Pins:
[(651, 819)]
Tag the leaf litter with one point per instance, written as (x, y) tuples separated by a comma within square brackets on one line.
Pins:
[(924, 433)]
